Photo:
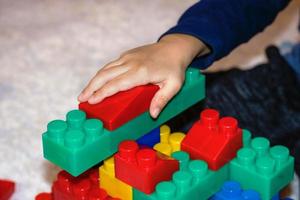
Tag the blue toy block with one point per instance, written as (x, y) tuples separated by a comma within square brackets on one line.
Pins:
[(150, 139), (232, 190)]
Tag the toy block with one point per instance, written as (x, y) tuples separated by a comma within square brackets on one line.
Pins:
[(213, 140), (85, 186), (44, 196), (74, 144), (7, 188), (232, 190), (150, 139), (194, 181), (78, 144), (169, 143), (113, 186), (116, 110), (143, 168), (261, 168)]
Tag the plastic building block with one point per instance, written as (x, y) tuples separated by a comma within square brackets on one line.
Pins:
[(116, 110), (150, 139), (143, 168), (78, 144), (113, 186), (261, 168), (194, 181), (169, 143), (74, 144), (7, 188), (44, 196), (86, 186), (232, 190), (213, 140)]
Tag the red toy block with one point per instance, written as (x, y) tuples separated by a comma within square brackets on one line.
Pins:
[(85, 186), (116, 110), (44, 196), (213, 140), (143, 168), (7, 188)]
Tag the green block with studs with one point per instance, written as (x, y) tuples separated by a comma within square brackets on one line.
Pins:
[(261, 168), (193, 181), (78, 143)]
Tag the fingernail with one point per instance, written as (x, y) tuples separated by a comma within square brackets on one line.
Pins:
[(155, 112), (80, 97)]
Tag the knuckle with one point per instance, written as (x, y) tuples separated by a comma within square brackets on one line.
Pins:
[(125, 55)]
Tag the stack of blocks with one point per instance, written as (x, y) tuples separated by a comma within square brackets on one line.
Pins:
[(160, 165)]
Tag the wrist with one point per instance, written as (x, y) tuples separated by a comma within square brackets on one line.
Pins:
[(185, 46)]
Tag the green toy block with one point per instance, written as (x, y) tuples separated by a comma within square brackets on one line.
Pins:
[(80, 143), (194, 181), (261, 168)]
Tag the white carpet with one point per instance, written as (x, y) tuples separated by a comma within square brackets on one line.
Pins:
[(48, 51)]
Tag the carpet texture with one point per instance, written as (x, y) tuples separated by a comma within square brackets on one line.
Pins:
[(49, 50)]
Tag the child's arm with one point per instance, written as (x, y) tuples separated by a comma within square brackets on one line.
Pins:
[(162, 63), (219, 24)]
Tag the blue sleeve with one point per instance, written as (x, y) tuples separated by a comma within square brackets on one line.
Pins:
[(224, 24)]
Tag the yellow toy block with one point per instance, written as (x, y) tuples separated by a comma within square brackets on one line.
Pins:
[(113, 186), (169, 143)]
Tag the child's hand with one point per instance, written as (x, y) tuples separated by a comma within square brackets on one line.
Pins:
[(163, 63)]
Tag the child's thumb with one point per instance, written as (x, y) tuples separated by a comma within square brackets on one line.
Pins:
[(163, 96)]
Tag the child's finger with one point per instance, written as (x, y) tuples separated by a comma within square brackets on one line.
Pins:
[(163, 96), (102, 77), (114, 63), (123, 82)]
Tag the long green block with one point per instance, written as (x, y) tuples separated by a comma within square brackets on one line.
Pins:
[(78, 144), (261, 168), (194, 181)]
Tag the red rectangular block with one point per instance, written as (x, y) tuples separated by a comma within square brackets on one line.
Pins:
[(143, 168), (213, 140), (116, 110)]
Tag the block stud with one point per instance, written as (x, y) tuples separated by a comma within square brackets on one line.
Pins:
[(74, 139), (93, 128), (128, 150), (232, 189), (265, 165), (246, 138), (228, 126), (183, 159), (56, 129), (280, 154), (182, 180), (261, 146), (75, 119), (246, 156), (165, 190), (146, 158), (82, 188), (64, 181), (175, 140), (165, 132), (199, 169), (209, 118)]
